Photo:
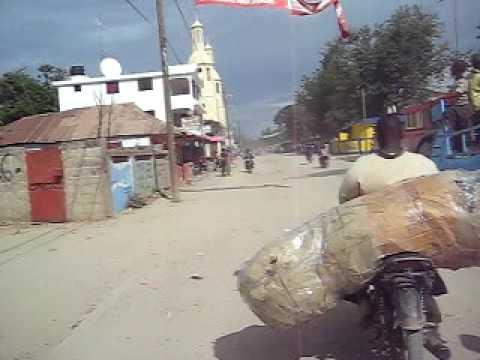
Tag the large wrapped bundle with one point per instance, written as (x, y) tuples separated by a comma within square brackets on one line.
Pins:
[(305, 274)]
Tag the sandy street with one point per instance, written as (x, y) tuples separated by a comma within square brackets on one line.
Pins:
[(122, 289)]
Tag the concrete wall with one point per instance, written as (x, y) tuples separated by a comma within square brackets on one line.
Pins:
[(14, 196), (163, 173), (87, 185), (86, 182), (144, 175)]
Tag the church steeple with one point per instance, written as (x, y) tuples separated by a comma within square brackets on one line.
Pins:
[(209, 53), (198, 39)]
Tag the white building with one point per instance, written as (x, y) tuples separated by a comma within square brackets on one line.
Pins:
[(143, 89), (212, 99)]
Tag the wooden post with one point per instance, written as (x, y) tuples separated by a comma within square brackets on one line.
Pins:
[(172, 153)]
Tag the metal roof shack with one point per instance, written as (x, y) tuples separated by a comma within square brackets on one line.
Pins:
[(120, 120)]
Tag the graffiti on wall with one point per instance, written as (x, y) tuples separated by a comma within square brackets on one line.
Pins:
[(9, 167)]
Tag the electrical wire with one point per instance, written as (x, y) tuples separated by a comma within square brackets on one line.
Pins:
[(138, 11), (182, 14), (174, 52), (147, 20)]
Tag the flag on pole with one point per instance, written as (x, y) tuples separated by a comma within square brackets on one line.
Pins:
[(296, 7)]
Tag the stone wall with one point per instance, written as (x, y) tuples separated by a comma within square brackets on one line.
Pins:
[(14, 196), (87, 184)]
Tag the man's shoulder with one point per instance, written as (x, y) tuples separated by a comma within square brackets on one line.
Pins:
[(364, 163), (419, 159), (415, 156), (367, 158)]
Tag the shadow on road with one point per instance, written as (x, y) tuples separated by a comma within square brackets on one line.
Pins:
[(320, 174), (471, 342), (244, 187), (335, 334)]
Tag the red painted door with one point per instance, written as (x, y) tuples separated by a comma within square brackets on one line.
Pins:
[(45, 184)]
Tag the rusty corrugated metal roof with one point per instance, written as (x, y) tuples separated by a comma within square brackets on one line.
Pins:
[(80, 124)]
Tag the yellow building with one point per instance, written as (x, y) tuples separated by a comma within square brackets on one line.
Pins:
[(359, 137), (212, 97)]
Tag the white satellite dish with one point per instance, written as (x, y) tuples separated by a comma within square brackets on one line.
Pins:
[(110, 67)]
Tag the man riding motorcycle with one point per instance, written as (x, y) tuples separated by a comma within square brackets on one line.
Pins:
[(323, 156), (308, 149), (249, 163), (391, 164)]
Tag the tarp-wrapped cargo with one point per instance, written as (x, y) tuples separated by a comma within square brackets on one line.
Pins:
[(307, 273)]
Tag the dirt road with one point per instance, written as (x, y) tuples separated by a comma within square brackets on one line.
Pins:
[(122, 288)]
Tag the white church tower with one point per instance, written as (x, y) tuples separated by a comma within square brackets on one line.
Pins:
[(212, 95)]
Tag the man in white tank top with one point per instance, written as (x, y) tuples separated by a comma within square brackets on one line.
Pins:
[(389, 165)]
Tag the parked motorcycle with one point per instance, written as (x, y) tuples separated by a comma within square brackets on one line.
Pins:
[(249, 165), (402, 309)]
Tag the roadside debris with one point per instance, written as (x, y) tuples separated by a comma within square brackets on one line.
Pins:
[(137, 201)]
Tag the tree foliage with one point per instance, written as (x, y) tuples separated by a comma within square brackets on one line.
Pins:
[(394, 62), (22, 94)]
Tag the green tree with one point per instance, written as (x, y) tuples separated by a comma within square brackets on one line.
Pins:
[(21, 94), (293, 121), (49, 73), (394, 62)]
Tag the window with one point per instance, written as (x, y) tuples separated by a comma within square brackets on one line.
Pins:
[(151, 112), (218, 87), (180, 86), (196, 89), (145, 84), (417, 120), (77, 88), (209, 74), (112, 87)]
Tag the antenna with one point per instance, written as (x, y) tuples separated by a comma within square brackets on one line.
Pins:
[(110, 67)]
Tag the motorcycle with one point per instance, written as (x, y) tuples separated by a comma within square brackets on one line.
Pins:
[(249, 165), (401, 307), (324, 161), (309, 156), (224, 167)]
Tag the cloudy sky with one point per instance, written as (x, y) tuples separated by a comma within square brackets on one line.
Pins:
[(260, 53)]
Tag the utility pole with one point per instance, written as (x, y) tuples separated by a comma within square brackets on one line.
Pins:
[(455, 24), (228, 114), (172, 153), (364, 102)]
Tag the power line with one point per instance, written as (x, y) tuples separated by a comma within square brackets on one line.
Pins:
[(138, 11), (147, 20), (182, 14), (174, 52)]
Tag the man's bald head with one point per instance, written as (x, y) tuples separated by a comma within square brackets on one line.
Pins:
[(389, 132)]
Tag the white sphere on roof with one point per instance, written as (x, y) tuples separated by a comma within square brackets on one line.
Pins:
[(110, 67)]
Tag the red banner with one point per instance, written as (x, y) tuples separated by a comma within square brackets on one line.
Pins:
[(296, 7), (279, 4)]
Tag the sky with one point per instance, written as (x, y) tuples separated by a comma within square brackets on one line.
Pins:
[(261, 54)]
